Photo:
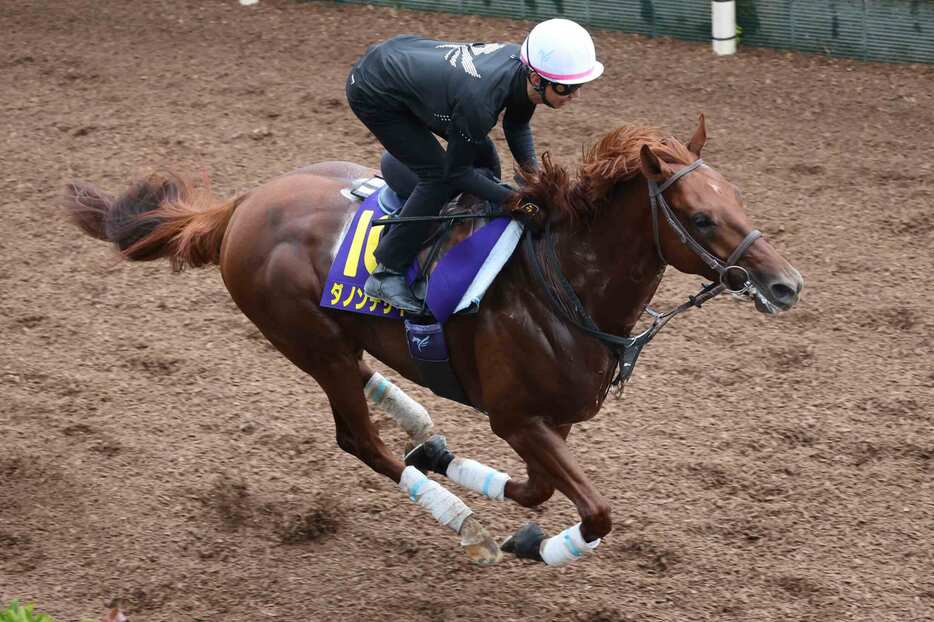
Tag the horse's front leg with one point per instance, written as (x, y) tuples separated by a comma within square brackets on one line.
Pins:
[(544, 450), (539, 487), (434, 455)]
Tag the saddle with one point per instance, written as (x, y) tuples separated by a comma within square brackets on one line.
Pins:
[(456, 265), (459, 258)]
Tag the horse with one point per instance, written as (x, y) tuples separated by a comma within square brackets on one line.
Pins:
[(536, 359)]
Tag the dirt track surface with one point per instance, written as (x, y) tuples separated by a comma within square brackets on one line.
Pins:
[(155, 448)]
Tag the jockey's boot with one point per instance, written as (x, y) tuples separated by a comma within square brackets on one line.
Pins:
[(389, 286)]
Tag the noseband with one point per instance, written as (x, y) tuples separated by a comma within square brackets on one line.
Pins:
[(627, 349), (658, 202)]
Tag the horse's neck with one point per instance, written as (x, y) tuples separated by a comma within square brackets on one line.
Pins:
[(612, 263)]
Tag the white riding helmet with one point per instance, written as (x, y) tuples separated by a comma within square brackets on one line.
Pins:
[(560, 50)]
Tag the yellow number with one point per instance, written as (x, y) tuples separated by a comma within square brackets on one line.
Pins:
[(371, 241), (353, 255)]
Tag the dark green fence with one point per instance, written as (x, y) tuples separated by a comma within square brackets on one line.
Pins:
[(884, 30)]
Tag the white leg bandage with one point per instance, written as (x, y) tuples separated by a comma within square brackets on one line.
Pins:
[(447, 509), (566, 547), (478, 477), (409, 414)]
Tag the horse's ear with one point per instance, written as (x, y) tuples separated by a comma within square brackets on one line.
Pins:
[(652, 167), (699, 139)]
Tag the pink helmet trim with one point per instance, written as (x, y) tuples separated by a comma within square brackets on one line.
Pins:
[(555, 77)]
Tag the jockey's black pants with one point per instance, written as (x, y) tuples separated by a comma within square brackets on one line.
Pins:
[(415, 163)]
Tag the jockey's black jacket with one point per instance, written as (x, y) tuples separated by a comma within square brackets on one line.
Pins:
[(458, 90)]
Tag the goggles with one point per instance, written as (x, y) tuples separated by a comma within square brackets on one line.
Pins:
[(564, 89)]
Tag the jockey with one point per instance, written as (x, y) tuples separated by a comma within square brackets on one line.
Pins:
[(407, 88)]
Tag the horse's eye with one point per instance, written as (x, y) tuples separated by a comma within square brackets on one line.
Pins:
[(702, 221)]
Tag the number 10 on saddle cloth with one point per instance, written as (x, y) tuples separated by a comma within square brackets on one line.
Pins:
[(457, 282)]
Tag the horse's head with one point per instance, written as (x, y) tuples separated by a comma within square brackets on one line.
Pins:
[(702, 228)]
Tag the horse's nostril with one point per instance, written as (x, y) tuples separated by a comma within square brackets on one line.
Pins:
[(783, 294)]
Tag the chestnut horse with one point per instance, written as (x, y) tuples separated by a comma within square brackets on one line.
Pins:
[(641, 200)]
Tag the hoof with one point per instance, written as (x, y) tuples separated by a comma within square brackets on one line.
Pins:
[(432, 455), (526, 542), (417, 439), (480, 547)]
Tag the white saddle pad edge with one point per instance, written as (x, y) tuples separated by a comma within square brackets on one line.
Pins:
[(492, 265)]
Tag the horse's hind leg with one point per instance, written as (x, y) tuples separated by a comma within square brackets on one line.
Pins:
[(339, 375), (406, 412), (357, 435)]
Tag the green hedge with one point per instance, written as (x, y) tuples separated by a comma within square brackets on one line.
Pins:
[(16, 613)]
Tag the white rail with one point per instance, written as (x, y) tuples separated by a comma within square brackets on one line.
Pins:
[(723, 27)]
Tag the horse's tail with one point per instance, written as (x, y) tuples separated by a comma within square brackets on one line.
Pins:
[(160, 216)]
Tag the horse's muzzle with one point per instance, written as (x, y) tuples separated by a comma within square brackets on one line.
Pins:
[(777, 292)]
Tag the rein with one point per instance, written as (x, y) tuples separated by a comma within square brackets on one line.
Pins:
[(627, 349), (392, 220)]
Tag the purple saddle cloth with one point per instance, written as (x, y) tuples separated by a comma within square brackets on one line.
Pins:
[(447, 283)]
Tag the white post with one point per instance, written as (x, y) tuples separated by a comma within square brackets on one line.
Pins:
[(723, 14)]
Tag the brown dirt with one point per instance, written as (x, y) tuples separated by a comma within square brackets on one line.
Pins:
[(156, 449)]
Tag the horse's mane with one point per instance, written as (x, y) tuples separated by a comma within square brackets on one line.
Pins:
[(613, 159)]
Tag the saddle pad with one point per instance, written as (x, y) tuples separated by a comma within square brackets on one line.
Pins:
[(464, 273), (458, 282)]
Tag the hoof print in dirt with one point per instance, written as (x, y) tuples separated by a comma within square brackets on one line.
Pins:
[(649, 557), (311, 526), (231, 500)]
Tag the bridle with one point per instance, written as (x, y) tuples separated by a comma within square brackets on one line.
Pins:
[(657, 201), (627, 349)]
